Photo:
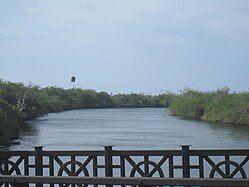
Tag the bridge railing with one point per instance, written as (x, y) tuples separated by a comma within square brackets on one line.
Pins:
[(182, 165)]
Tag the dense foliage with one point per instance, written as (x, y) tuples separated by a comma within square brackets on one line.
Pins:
[(8, 122), (19, 102), (217, 106)]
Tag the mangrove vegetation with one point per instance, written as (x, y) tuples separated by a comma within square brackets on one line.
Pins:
[(220, 106)]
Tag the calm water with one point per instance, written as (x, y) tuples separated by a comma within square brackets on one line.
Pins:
[(139, 128)]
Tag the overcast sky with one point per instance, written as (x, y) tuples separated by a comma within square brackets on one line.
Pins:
[(118, 46)]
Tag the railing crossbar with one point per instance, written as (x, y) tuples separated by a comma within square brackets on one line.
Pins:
[(123, 181)]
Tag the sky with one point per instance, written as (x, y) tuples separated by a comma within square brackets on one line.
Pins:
[(124, 46)]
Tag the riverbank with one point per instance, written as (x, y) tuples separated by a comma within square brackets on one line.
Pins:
[(9, 122), (221, 106)]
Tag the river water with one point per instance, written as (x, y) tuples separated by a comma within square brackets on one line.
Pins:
[(129, 128)]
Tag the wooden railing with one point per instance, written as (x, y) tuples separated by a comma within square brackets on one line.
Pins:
[(125, 167)]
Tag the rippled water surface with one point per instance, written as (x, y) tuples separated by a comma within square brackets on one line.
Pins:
[(139, 128)]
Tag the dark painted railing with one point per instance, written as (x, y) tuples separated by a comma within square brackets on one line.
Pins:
[(125, 167)]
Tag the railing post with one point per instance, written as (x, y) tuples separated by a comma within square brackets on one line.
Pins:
[(185, 161), (38, 163), (108, 162)]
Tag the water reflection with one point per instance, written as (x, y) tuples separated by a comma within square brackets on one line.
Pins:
[(140, 128), (29, 133), (238, 133)]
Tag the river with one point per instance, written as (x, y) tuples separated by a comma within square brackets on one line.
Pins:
[(129, 128)]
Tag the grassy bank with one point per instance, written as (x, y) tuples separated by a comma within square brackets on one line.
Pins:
[(220, 106)]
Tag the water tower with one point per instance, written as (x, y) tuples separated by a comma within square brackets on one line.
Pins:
[(73, 79)]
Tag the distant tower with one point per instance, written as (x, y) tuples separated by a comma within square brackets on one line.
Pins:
[(73, 80)]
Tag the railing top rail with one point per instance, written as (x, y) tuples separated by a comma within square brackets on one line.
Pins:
[(53, 153), (146, 152), (221, 152), (73, 153), (16, 153), (192, 152), (123, 180)]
